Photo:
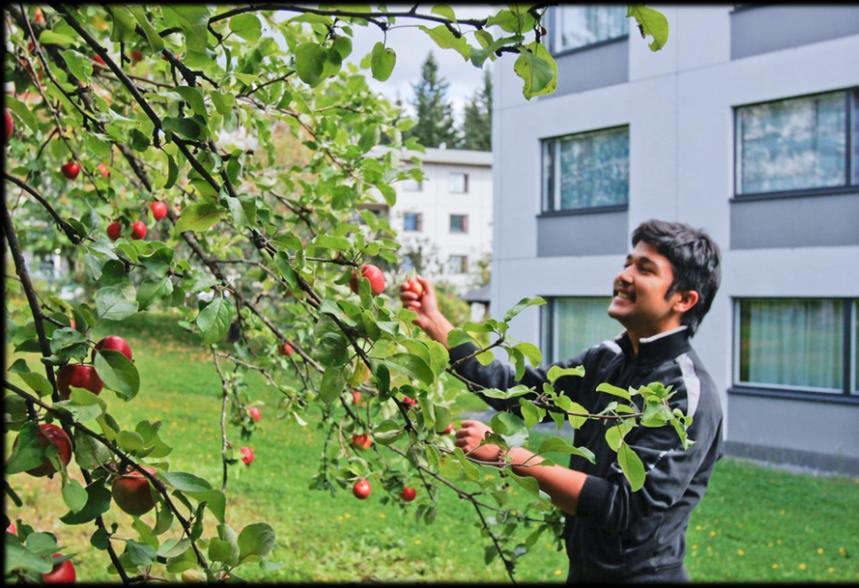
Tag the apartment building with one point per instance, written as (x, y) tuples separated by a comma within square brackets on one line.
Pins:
[(745, 124), (445, 221)]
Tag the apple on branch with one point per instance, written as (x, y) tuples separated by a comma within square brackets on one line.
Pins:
[(373, 274), (132, 494), (62, 573)]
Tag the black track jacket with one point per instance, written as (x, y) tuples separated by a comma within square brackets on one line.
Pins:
[(618, 534)]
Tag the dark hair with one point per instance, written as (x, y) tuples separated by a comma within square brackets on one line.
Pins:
[(694, 258)]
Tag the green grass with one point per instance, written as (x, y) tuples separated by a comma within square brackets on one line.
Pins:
[(750, 519)]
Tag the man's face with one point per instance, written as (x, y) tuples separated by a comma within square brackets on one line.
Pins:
[(638, 293)]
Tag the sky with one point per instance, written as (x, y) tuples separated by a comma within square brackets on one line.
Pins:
[(412, 46)]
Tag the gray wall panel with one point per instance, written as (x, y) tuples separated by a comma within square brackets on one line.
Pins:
[(770, 28), (798, 425), (583, 234), (592, 67), (813, 221)]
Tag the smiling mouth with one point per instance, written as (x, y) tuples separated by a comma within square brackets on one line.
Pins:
[(624, 295)]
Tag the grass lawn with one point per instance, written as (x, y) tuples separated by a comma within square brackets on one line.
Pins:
[(754, 524)]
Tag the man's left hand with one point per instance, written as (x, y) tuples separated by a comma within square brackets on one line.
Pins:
[(469, 437)]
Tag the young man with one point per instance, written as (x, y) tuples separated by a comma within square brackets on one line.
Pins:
[(663, 292)]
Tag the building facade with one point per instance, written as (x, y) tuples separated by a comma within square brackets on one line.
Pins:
[(745, 124), (445, 220)]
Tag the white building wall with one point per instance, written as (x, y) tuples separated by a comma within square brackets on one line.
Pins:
[(678, 105)]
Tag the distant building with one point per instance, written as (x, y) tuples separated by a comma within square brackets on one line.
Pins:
[(745, 124)]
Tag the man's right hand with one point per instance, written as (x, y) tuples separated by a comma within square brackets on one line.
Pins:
[(425, 304)]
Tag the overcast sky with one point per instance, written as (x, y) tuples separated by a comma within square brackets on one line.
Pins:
[(412, 46)]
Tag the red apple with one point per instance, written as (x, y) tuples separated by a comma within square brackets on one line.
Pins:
[(102, 169), (31, 47), (54, 435), (362, 441), (79, 376), (114, 230), (356, 397), (412, 285), (132, 494), (38, 17), (409, 401), (136, 55), (286, 349), (12, 529), (255, 414), (408, 494), (99, 60), (448, 429), (73, 325), (373, 274), (361, 489), (71, 169), (247, 455), (63, 572), (113, 343), (8, 124), (138, 230), (159, 209)]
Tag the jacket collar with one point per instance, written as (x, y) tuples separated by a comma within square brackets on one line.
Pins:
[(659, 347)]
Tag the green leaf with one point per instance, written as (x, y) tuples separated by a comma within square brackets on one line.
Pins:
[(247, 26), (80, 66), (333, 242), (18, 557), (333, 383), (139, 554), (309, 62), (223, 102), (522, 305), (198, 217), (172, 172), (37, 382), (613, 390), (538, 69), (566, 404), (185, 482), (183, 126), (343, 46), (457, 337), (98, 502), (48, 37), (27, 453), (556, 372), (256, 539), (382, 61), (446, 39), (387, 432), (559, 445), (117, 372), (194, 98), (530, 413), (444, 10), (130, 441), (527, 482), (532, 352), (411, 365), (215, 501), (23, 111), (113, 302), (74, 495), (650, 22), (631, 465), (156, 43), (89, 452), (518, 390), (215, 319)]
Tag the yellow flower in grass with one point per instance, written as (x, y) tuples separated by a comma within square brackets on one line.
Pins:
[(776, 566), (802, 566), (713, 533), (842, 552), (347, 516), (557, 572), (741, 553), (381, 515), (830, 570), (819, 551), (417, 541)]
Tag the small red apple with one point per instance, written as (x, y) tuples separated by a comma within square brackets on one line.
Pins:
[(63, 572), (73, 325), (409, 401), (362, 441), (373, 274), (79, 376), (71, 169), (138, 230), (247, 455), (286, 349), (54, 435), (159, 209), (412, 285), (136, 55), (38, 17), (131, 492), (255, 414), (408, 494), (12, 529), (361, 489), (102, 169), (99, 60), (31, 47), (448, 429), (8, 124), (113, 343), (356, 397), (114, 230)]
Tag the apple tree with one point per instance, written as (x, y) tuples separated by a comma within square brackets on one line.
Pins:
[(142, 143)]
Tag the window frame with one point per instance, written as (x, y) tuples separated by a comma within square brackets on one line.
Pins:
[(845, 395), (464, 182), (464, 230), (463, 267), (548, 313), (555, 31), (556, 179), (851, 102), (418, 222)]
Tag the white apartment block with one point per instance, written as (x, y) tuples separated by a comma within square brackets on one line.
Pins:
[(448, 215), (745, 124)]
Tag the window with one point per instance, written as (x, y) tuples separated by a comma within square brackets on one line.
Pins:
[(797, 144), (571, 325), (411, 185), (854, 342), (578, 26), (457, 264), (457, 183), (413, 221), (795, 344), (586, 170), (459, 223)]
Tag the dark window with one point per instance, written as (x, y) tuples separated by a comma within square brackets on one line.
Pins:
[(459, 223), (412, 221), (580, 26)]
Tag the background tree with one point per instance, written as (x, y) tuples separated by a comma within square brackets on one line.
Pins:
[(435, 124), (477, 121)]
